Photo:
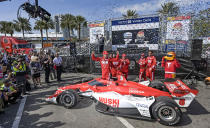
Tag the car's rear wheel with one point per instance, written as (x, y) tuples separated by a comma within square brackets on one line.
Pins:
[(69, 98), (166, 111)]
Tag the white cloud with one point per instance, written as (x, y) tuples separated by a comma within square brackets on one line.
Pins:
[(143, 7), (154, 5)]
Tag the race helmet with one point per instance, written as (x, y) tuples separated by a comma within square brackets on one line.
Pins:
[(170, 56)]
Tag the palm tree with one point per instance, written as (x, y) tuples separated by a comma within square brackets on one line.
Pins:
[(80, 21), (130, 14), (169, 8), (22, 24), (40, 25), (11, 28), (68, 21), (4, 27), (48, 25)]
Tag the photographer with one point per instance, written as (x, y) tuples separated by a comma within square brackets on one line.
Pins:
[(11, 92), (19, 70)]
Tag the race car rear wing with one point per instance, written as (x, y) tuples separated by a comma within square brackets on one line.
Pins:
[(180, 92)]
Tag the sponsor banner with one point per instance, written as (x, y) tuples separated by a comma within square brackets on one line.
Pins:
[(141, 31), (135, 21), (176, 47), (179, 18), (96, 25), (141, 36), (46, 45), (96, 33), (178, 30), (135, 26)]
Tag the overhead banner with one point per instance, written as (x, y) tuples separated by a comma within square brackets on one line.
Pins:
[(143, 32), (96, 31)]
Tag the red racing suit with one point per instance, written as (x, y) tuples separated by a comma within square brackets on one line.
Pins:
[(150, 67), (114, 65), (124, 66), (170, 67), (142, 63), (105, 65)]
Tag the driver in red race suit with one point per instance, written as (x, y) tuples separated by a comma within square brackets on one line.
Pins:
[(124, 65), (105, 64), (114, 64), (142, 63), (150, 66), (170, 64)]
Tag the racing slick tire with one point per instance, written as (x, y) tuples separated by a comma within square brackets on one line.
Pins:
[(166, 111), (158, 85), (69, 98)]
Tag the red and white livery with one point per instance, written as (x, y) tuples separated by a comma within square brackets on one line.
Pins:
[(148, 100)]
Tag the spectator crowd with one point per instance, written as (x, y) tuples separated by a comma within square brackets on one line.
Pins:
[(16, 70)]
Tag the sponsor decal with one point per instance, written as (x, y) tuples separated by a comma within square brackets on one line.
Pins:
[(111, 102), (141, 105), (171, 87), (132, 90), (182, 86)]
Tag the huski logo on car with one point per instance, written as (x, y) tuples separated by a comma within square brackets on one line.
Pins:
[(110, 102)]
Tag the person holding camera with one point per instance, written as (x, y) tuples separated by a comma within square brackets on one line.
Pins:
[(11, 92), (19, 71)]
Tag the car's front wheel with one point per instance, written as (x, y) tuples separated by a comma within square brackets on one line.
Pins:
[(69, 98), (166, 111)]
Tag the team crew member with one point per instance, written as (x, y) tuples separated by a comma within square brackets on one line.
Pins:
[(124, 65), (114, 64), (105, 64), (170, 64), (150, 66), (142, 63), (57, 61)]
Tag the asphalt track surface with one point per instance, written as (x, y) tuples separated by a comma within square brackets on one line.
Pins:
[(33, 112)]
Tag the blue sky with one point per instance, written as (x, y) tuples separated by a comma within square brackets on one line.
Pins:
[(94, 10)]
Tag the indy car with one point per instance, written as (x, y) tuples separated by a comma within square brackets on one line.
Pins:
[(154, 100)]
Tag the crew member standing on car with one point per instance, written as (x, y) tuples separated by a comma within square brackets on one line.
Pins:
[(150, 66), (57, 61), (105, 64), (124, 65), (170, 64), (114, 64), (142, 63)]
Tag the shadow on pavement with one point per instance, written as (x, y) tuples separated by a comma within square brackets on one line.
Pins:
[(85, 102), (32, 119), (196, 109)]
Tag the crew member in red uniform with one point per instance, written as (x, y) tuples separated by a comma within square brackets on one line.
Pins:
[(114, 64), (124, 65), (150, 66), (105, 64), (170, 64), (142, 63)]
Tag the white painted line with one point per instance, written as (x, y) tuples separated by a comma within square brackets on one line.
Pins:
[(19, 113), (125, 122)]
